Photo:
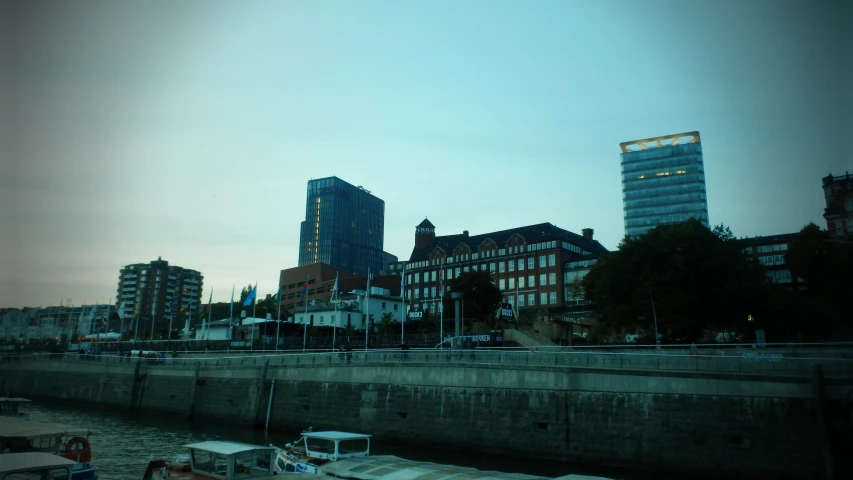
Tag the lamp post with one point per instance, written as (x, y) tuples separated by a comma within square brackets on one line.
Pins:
[(655, 316), (242, 319)]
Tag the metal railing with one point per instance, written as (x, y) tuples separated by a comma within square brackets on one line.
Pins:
[(748, 362)]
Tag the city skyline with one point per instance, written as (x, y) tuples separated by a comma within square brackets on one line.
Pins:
[(189, 131)]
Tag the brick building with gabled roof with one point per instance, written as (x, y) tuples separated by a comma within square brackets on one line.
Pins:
[(526, 264)]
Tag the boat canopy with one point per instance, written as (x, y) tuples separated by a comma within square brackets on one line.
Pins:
[(15, 462), (388, 467), (335, 435), (226, 448), (17, 428)]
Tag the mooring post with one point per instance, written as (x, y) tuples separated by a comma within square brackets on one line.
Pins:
[(193, 387), (259, 391), (822, 426)]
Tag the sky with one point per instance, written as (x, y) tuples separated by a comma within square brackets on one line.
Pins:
[(189, 130)]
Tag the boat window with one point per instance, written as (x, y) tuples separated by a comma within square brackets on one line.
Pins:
[(252, 464), (355, 445), (208, 462), (320, 445)]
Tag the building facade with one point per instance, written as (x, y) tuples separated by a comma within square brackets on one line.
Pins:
[(157, 292), (527, 264), (321, 281), (838, 191), (663, 182), (351, 310), (770, 252), (344, 226)]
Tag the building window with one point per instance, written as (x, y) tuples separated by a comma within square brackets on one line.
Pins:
[(465, 269), (552, 299), (520, 282), (474, 268), (501, 284), (512, 283), (530, 263), (511, 264), (531, 281), (501, 267), (426, 292), (395, 307), (543, 261), (543, 298), (838, 229), (432, 275), (543, 279), (531, 299), (511, 300), (383, 305), (521, 300), (417, 293), (552, 260), (418, 277), (848, 204), (491, 268), (520, 264), (432, 291), (552, 279), (458, 271)]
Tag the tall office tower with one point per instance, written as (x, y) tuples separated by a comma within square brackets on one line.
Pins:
[(663, 182), (344, 227)]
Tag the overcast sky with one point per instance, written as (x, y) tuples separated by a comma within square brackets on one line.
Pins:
[(189, 130)]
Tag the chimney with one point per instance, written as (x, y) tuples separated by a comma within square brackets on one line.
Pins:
[(465, 232), (587, 234)]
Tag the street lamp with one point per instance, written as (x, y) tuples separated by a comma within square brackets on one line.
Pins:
[(655, 316)]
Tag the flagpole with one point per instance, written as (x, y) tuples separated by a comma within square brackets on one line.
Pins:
[(136, 330), (231, 317), (206, 331), (403, 306), (367, 312), (441, 308), (305, 318), (278, 304), (335, 315), (254, 306), (153, 317), (105, 323)]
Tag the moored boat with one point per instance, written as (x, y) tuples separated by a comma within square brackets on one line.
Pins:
[(216, 459), (24, 436), (38, 465), (13, 406), (315, 449)]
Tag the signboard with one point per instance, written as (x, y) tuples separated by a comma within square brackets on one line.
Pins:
[(572, 320), (505, 312), (416, 315)]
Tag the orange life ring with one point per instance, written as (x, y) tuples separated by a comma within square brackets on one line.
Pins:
[(78, 449)]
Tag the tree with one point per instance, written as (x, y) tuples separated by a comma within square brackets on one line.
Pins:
[(723, 232), (385, 323), (482, 298), (684, 274), (824, 264)]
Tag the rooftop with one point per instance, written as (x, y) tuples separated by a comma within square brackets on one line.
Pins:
[(658, 142), (14, 427)]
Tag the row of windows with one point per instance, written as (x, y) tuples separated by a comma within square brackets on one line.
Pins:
[(661, 210), (665, 219), (770, 260), (664, 191), (513, 283), (545, 298), (665, 200), (545, 261), (668, 152), (661, 181), (662, 164), (839, 228)]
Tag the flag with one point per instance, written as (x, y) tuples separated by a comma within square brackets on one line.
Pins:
[(440, 282), (403, 284), (210, 300), (121, 310), (303, 294), (251, 297), (335, 288), (94, 311)]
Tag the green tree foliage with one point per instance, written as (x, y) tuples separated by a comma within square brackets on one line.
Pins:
[(825, 264), (482, 297), (695, 279)]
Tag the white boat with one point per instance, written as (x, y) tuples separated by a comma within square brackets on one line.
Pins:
[(35, 465), (220, 460), (315, 449), (13, 407), (347, 456), (19, 435)]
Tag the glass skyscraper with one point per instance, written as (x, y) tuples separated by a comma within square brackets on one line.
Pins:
[(663, 182), (344, 227)]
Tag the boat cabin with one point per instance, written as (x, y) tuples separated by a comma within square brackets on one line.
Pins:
[(230, 460), (19, 435), (332, 445), (12, 407), (35, 466)]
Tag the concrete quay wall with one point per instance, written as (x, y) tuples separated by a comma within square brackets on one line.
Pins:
[(699, 424)]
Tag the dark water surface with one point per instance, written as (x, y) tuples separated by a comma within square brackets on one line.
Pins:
[(123, 444)]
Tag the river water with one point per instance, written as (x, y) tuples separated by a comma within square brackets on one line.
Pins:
[(123, 444)]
